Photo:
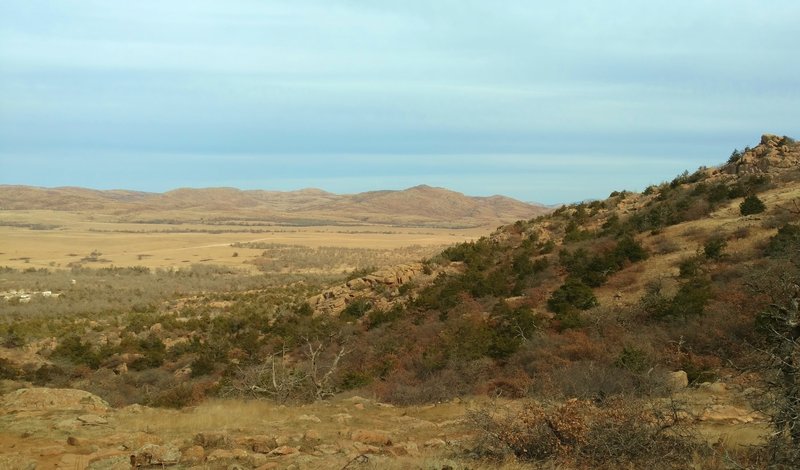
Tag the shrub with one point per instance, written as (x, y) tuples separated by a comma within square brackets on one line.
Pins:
[(572, 294), (691, 298), (203, 365), (7, 370), (654, 303), (752, 205), (736, 155), (629, 249), (77, 352), (622, 433), (509, 328), (632, 359), (785, 243), (713, 247), (14, 338), (574, 234), (592, 380), (717, 193), (154, 351), (690, 267), (378, 317), (178, 396), (356, 309)]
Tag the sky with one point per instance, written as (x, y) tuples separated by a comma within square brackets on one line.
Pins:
[(547, 101)]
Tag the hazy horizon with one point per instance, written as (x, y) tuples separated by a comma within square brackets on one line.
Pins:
[(547, 103)]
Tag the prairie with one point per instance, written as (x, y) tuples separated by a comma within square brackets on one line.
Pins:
[(58, 239)]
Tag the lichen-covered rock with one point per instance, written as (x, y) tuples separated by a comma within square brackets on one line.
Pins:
[(372, 437), (730, 414), (152, 454), (92, 420), (285, 450), (43, 399), (193, 455), (212, 440), (261, 444), (677, 380)]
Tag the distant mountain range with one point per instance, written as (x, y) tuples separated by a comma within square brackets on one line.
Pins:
[(418, 206)]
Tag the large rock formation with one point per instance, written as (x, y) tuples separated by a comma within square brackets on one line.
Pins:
[(772, 153), (381, 288), (52, 399)]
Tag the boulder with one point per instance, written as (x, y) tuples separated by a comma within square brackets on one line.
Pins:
[(225, 454), (435, 443), (285, 450), (770, 140), (677, 380), (404, 449), (261, 444), (92, 420), (372, 437), (714, 388), (268, 466), (358, 284), (193, 455), (212, 440), (363, 448), (52, 399), (729, 414), (257, 460), (327, 449), (153, 454)]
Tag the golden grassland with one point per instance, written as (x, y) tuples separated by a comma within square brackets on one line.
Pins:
[(746, 237), (55, 239)]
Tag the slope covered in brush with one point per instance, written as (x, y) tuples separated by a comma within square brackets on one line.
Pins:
[(595, 299)]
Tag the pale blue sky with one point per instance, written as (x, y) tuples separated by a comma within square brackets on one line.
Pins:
[(543, 101)]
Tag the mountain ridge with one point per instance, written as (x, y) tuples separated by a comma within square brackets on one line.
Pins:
[(420, 205)]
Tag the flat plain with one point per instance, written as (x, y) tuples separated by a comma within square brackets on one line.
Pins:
[(60, 239)]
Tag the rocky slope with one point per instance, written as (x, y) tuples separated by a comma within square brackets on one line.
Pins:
[(43, 428)]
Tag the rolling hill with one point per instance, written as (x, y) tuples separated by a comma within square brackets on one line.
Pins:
[(418, 206)]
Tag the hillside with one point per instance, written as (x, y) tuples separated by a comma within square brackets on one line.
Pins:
[(418, 206), (644, 330)]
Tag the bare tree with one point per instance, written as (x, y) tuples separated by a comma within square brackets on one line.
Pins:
[(779, 324), (322, 381), (276, 378), (283, 378)]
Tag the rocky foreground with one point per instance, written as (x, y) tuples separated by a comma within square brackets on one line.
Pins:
[(42, 428)]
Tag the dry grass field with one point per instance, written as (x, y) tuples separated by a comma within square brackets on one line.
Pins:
[(322, 435), (59, 239)]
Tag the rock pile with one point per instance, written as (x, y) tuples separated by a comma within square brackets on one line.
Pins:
[(774, 152), (380, 288)]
